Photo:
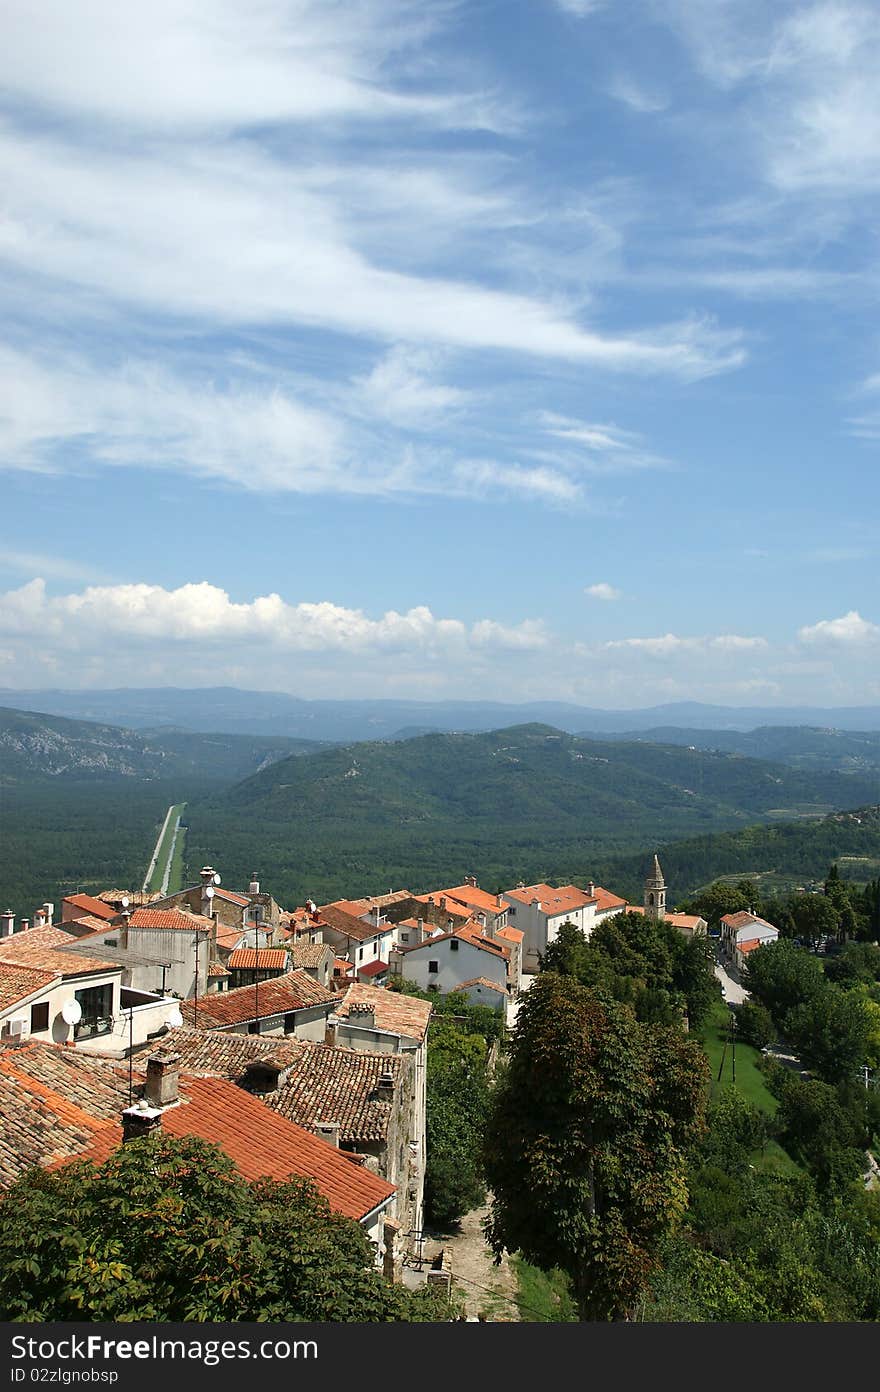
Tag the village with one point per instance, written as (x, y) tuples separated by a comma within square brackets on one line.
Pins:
[(295, 1040)]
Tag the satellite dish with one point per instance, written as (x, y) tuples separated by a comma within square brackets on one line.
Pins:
[(216, 879), (209, 892), (71, 1012), (124, 901), (175, 1019)]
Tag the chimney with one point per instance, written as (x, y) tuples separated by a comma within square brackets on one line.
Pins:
[(207, 874), (328, 1131), (499, 901), (591, 888), (385, 1088), (140, 1120), (7, 924), (254, 886), (163, 1074), (362, 1015), (330, 1034), (39, 918), (25, 924), (420, 926), (49, 910), (472, 881)]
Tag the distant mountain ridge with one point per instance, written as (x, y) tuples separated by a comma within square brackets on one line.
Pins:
[(233, 711), (528, 801), (36, 745), (801, 746)]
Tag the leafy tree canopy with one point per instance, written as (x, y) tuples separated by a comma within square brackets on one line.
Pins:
[(585, 1150), (167, 1230)]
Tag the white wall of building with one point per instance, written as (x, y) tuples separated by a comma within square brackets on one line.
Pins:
[(455, 960)]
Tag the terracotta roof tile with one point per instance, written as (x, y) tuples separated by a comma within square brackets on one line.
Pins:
[(347, 924), (87, 904), (178, 920), (278, 995), (322, 1084), (17, 982), (45, 948), (564, 899), (306, 954), (260, 1143), (482, 981), (263, 959), (395, 1013)]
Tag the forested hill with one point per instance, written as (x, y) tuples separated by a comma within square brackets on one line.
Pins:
[(811, 748), (35, 745), (776, 855), (527, 802)]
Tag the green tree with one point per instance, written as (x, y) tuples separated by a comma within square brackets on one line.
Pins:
[(815, 916), (754, 1024), (457, 1103), (585, 1144), (831, 1033), (782, 976), (167, 1230)]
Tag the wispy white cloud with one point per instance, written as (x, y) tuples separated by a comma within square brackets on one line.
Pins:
[(601, 448), (602, 590), (668, 644)]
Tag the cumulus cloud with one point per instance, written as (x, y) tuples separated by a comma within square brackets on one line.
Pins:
[(602, 590), (849, 629), (202, 613)]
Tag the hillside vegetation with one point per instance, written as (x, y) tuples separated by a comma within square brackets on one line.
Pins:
[(524, 802), (806, 747), (34, 745)]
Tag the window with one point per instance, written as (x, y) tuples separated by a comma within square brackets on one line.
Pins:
[(453, 946), (433, 966), (512, 911), (111, 942), (360, 954), (404, 937), (39, 1017), (97, 1011)]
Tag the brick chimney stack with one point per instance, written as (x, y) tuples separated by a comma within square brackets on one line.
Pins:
[(140, 1120), (163, 1077)]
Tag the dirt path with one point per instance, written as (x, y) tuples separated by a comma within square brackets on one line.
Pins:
[(486, 1289)]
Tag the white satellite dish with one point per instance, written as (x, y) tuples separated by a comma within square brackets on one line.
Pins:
[(71, 1012), (175, 1019), (209, 892), (124, 901), (216, 879)]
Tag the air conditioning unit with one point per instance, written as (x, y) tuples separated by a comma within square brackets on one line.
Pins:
[(18, 1027)]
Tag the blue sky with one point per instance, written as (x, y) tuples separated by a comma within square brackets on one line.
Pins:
[(511, 349)]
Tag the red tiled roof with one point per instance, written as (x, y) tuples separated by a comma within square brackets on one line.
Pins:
[(44, 948), (482, 981), (308, 954), (217, 969), (260, 1143), (751, 944), (88, 905), (231, 897), (451, 907), (17, 982), (178, 920), (262, 959), (348, 925), (474, 897), (605, 900), (465, 933), (373, 969), (278, 995), (564, 899), (513, 934), (743, 918), (395, 1013)]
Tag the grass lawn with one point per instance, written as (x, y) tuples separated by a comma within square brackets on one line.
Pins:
[(713, 1034), (543, 1295), (175, 879)]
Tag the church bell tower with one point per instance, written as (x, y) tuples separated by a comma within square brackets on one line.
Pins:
[(655, 892)]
